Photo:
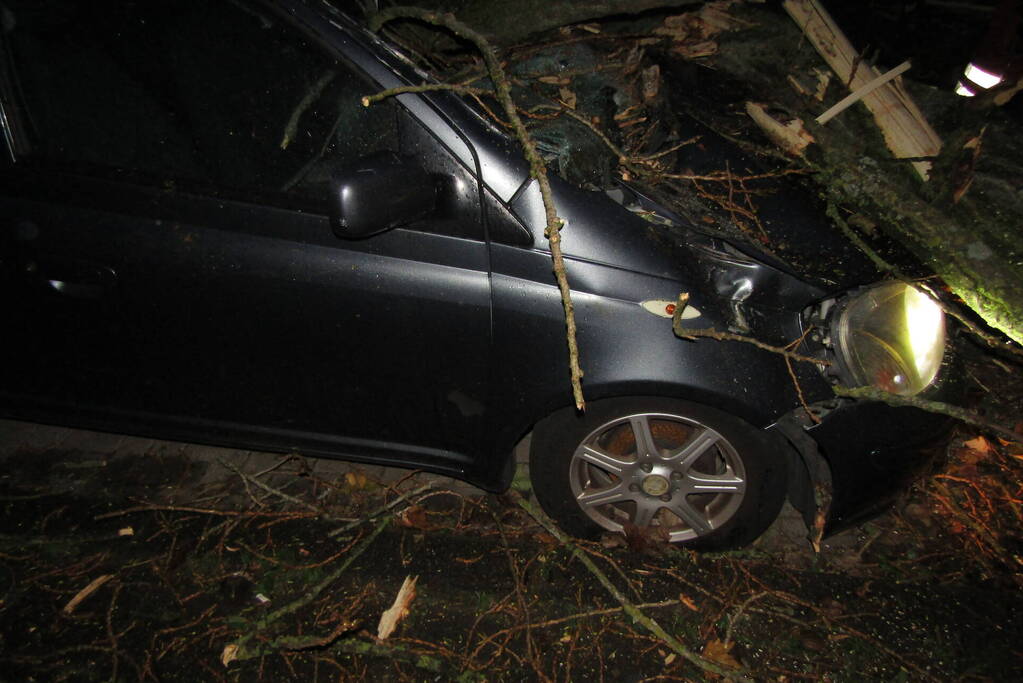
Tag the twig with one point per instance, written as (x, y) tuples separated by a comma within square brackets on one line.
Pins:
[(240, 649), (962, 414), (630, 608), (269, 489), (571, 617), (537, 167), (397, 652), (733, 619), (665, 152), (81, 595), (531, 652), (623, 158), (864, 90), (379, 511), (426, 87), (692, 334), (314, 92), (201, 511)]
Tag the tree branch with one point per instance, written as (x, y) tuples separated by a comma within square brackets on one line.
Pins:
[(967, 416), (630, 608), (692, 334)]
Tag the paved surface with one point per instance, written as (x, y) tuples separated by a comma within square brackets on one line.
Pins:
[(786, 537), (17, 436)]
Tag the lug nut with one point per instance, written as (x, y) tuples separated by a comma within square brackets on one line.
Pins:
[(646, 467), (676, 475), (666, 497), (634, 487)]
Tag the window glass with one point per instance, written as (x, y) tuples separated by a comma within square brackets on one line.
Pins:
[(503, 225), (207, 93)]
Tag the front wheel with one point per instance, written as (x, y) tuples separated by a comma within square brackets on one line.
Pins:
[(706, 479)]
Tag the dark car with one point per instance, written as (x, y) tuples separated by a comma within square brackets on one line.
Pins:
[(207, 237)]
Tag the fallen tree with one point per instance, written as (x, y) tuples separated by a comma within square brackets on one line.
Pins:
[(954, 210)]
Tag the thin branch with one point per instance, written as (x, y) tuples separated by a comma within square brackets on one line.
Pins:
[(240, 649), (291, 129), (537, 167), (692, 334), (962, 414), (426, 87), (270, 489), (201, 511), (379, 511), (630, 608)]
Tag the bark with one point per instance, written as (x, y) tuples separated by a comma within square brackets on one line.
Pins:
[(972, 244)]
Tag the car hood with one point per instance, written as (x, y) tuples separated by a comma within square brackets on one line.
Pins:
[(626, 230)]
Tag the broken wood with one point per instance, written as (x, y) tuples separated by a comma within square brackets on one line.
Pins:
[(858, 94), (906, 132), (81, 595), (393, 615), (790, 137)]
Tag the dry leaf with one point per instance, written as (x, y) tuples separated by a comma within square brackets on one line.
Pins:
[(390, 619), (567, 97), (415, 517), (126, 531), (81, 595), (592, 28), (979, 445), (356, 479), (229, 654), (688, 602), (721, 653), (650, 540), (555, 80)]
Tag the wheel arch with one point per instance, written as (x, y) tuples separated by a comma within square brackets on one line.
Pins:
[(773, 470)]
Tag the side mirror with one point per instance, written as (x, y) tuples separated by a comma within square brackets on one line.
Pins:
[(379, 192)]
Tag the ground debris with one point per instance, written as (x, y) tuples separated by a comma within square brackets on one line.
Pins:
[(506, 600)]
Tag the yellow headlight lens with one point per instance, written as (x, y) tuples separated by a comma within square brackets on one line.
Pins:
[(891, 336)]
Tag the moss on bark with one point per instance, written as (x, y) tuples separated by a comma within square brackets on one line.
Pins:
[(974, 244)]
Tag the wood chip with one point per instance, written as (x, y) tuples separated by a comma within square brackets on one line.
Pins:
[(904, 127), (390, 619), (651, 80), (791, 137)]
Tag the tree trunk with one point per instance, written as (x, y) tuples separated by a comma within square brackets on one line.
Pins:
[(974, 243), (507, 22)]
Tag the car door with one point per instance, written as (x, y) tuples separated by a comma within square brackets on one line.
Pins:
[(167, 262)]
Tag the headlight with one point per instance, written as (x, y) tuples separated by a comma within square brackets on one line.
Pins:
[(891, 336)]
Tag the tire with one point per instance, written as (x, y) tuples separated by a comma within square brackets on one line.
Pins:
[(703, 478)]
